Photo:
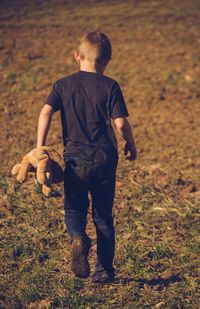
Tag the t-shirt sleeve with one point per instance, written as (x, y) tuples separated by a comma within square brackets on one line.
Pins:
[(54, 98), (117, 107)]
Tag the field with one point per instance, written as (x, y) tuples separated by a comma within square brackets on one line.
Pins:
[(156, 60)]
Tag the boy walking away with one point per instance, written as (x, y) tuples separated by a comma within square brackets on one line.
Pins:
[(88, 101)]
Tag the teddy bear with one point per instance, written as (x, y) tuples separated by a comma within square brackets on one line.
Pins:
[(39, 161)]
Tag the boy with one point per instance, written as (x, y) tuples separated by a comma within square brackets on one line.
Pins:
[(87, 101)]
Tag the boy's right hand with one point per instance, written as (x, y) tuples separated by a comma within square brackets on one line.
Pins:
[(130, 151)]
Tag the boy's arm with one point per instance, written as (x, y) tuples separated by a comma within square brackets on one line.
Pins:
[(44, 123), (125, 131)]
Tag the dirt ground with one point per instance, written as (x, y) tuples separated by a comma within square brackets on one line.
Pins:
[(156, 60)]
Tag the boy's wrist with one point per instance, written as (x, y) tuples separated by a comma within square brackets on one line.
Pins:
[(40, 145)]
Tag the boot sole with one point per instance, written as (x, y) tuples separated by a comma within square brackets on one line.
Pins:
[(79, 262)]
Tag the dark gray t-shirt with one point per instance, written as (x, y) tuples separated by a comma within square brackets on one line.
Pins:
[(87, 102)]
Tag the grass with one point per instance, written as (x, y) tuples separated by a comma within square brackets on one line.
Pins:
[(39, 264), (155, 267)]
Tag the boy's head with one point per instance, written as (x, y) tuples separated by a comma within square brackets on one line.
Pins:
[(95, 47)]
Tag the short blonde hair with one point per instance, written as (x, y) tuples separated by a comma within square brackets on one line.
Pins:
[(96, 47)]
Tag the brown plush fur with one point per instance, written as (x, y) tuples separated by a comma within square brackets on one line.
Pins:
[(38, 161)]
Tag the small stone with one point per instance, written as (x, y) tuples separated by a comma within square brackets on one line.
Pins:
[(162, 94), (188, 77), (181, 181)]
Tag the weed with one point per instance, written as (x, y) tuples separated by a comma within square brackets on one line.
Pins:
[(130, 261), (3, 183), (171, 77), (160, 252), (194, 245), (11, 78)]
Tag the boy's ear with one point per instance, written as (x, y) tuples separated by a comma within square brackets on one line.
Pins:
[(77, 56)]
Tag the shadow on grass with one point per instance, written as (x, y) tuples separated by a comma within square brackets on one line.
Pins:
[(162, 282)]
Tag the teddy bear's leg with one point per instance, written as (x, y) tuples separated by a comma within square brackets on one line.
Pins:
[(23, 172), (16, 169), (24, 168), (42, 169), (47, 187)]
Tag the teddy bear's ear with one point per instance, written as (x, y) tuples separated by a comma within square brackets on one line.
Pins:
[(16, 169)]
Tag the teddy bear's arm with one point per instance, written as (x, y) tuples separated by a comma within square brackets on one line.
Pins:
[(22, 169)]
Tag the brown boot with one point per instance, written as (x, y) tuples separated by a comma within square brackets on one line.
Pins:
[(79, 262)]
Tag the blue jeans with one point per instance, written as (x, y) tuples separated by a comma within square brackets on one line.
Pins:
[(81, 177)]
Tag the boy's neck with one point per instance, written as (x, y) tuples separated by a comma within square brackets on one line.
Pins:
[(91, 67)]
